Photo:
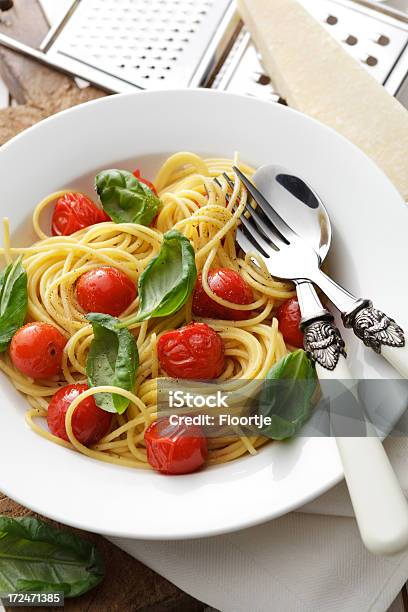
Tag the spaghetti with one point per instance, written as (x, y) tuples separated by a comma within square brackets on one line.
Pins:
[(197, 207)]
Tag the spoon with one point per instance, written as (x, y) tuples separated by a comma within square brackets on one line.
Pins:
[(381, 511)]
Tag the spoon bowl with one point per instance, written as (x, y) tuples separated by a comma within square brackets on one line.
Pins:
[(298, 204)]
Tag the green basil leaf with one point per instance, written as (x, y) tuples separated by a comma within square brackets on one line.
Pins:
[(36, 556), (113, 359), (287, 395), (13, 301), (126, 199), (169, 279)]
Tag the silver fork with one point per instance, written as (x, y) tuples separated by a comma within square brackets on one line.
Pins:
[(322, 339), (381, 511)]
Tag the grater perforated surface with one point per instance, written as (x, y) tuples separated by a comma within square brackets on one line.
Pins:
[(122, 44), (148, 43), (374, 39)]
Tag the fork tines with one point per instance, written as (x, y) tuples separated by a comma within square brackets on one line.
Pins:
[(273, 217), (245, 230), (256, 225)]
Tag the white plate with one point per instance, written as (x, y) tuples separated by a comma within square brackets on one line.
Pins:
[(369, 256)]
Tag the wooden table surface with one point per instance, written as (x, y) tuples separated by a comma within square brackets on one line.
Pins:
[(35, 93)]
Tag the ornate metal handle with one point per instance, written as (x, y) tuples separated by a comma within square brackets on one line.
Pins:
[(374, 327), (322, 340)]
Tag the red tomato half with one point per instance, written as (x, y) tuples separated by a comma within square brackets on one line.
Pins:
[(36, 350), (105, 290), (195, 351), (289, 317), (74, 211), (230, 286), (89, 423), (175, 449), (149, 184)]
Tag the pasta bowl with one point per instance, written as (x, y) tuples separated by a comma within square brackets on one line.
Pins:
[(368, 256)]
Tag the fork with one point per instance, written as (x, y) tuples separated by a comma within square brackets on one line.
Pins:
[(323, 342), (382, 515)]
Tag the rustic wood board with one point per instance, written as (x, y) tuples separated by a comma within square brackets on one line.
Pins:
[(39, 92), (128, 585)]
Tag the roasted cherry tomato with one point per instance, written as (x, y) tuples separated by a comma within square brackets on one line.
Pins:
[(289, 317), (74, 211), (89, 423), (175, 449), (36, 350), (105, 290), (149, 184), (230, 286), (195, 351)]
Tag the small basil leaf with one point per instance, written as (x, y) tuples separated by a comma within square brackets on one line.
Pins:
[(168, 280), (126, 199), (35, 556), (113, 359), (13, 301), (287, 395)]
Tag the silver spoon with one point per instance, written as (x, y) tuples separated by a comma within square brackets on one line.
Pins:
[(381, 511)]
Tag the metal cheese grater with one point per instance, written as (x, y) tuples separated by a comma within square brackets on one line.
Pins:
[(121, 45)]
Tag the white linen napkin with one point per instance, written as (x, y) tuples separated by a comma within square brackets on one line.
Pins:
[(310, 560)]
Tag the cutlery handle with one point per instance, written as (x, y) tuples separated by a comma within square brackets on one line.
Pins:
[(397, 357), (381, 333), (376, 329), (341, 298), (379, 504), (380, 507), (322, 340)]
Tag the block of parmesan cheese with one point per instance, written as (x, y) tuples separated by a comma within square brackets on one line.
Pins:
[(317, 76)]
